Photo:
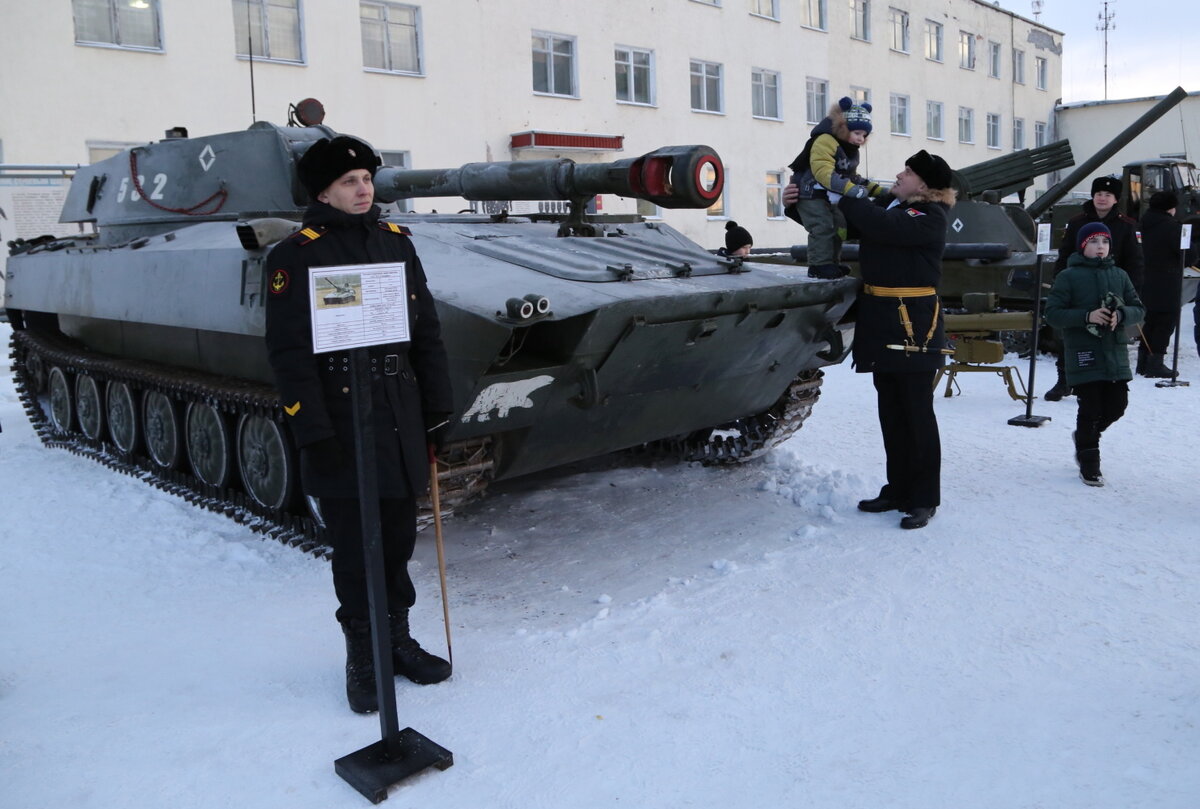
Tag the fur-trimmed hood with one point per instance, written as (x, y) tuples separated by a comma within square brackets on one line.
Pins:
[(946, 196), (837, 123)]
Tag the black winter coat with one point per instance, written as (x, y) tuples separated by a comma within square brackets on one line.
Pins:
[(315, 389), (1126, 241), (1160, 247), (899, 246)]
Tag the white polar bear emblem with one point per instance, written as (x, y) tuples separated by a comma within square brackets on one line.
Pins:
[(505, 396)]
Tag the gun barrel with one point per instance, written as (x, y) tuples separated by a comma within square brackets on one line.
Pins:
[(672, 177), (1053, 195)]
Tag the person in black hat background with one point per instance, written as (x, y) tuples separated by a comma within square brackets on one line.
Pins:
[(1126, 250), (901, 240), (738, 240), (1160, 292), (410, 394)]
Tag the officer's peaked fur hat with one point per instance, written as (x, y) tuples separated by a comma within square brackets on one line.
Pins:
[(933, 170), (326, 160)]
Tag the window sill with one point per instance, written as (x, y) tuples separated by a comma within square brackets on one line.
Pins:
[(764, 17), (964, 67), (898, 50), (901, 134), (931, 59), (934, 137), (385, 72), (814, 28), (767, 118), (555, 95), (301, 63), (112, 46), (860, 39), (708, 112), (650, 105)]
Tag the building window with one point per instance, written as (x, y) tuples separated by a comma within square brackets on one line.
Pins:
[(764, 90), (271, 28), (816, 97), (706, 87), (634, 78), (708, 177), (1043, 72), (899, 22), (1039, 133), (994, 59), (933, 41), (112, 22), (391, 38), (553, 64), (860, 11), (861, 95), (934, 128), (900, 122), (966, 50), (993, 130), (765, 8), (1018, 66), (1018, 133), (775, 185), (648, 210), (812, 14), (966, 125)]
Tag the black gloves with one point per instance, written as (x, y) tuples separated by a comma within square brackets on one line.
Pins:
[(327, 454)]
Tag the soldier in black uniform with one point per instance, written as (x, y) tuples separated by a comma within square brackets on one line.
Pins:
[(410, 394), (900, 331), (1126, 250)]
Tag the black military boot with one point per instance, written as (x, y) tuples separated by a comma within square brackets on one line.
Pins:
[(919, 517), (1061, 388), (825, 271), (410, 659), (360, 667), (1156, 368), (885, 501), (1143, 357), (1089, 466)]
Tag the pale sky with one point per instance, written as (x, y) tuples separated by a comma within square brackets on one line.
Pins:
[(1153, 48)]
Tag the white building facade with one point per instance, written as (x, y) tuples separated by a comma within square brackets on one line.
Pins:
[(445, 82)]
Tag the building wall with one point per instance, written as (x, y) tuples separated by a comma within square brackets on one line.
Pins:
[(1091, 126), (475, 91)]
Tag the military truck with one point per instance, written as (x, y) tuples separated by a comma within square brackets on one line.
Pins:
[(568, 337)]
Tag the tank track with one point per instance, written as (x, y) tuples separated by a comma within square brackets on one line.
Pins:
[(744, 439), (464, 468)]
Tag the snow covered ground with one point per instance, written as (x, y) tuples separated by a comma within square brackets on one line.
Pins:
[(637, 636)]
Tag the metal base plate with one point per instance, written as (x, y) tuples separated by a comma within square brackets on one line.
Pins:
[(371, 772), (1172, 383), (1028, 421)]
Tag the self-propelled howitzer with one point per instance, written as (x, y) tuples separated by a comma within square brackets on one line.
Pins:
[(142, 344)]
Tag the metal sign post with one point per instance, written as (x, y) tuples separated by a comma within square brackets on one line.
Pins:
[(354, 307), (1185, 243), (1028, 419)]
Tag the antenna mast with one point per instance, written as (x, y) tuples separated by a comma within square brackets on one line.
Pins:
[(1106, 25), (250, 51)]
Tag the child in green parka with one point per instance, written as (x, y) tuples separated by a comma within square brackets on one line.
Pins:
[(1092, 301)]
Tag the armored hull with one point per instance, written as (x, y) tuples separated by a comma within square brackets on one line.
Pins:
[(143, 346)]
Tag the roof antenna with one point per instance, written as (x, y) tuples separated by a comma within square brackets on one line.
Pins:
[(1106, 18), (250, 49)]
